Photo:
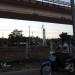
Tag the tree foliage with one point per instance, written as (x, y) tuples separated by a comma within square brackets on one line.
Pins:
[(15, 37), (15, 33), (65, 37)]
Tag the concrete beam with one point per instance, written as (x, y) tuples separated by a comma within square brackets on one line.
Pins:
[(10, 11)]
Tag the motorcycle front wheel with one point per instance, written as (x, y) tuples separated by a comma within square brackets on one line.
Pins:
[(46, 69)]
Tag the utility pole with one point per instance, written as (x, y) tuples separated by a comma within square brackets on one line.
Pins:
[(32, 34), (29, 36), (51, 45), (26, 52), (27, 45), (44, 36)]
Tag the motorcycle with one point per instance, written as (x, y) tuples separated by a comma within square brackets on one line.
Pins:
[(53, 68)]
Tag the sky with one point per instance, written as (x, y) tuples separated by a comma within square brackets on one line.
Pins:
[(52, 30)]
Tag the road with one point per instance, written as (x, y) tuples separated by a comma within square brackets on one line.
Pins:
[(29, 72), (23, 72)]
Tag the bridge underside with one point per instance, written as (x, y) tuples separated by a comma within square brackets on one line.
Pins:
[(33, 17), (35, 13)]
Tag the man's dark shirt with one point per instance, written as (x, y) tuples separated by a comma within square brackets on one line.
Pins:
[(62, 57)]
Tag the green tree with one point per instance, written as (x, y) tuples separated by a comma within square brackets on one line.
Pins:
[(15, 33), (3, 42), (15, 37), (65, 37)]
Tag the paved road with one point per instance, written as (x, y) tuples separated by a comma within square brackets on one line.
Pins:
[(23, 72), (29, 72)]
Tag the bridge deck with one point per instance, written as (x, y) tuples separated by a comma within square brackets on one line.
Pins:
[(39, 5), (35, 5)]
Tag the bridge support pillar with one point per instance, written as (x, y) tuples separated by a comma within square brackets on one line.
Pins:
[(73, 15), (74, 30)]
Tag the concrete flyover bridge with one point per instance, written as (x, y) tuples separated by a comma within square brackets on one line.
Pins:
[(36, 10)]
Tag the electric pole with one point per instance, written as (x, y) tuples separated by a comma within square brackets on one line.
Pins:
[(29, 36), (44, 36)]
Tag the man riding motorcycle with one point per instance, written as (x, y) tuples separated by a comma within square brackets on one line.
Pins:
[(59, 61)]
